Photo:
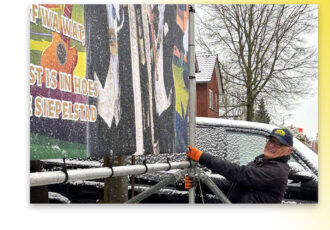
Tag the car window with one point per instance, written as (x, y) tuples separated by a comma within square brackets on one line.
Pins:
[(244, 147), (236, 146)]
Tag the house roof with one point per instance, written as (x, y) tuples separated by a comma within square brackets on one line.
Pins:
[(206, 64)]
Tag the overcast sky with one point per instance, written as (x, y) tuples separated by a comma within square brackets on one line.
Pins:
[(306, 114)]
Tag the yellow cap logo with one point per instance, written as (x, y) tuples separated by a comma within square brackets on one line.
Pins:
[(280, 132)]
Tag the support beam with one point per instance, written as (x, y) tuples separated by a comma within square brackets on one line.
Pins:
[(170, 179), (214, 188)]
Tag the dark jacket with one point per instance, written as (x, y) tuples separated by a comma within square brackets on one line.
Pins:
[(260, 181)]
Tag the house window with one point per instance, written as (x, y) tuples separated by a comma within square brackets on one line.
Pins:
[(210, 99), (216, 102)]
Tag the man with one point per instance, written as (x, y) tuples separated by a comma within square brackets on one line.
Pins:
[(262, 181)]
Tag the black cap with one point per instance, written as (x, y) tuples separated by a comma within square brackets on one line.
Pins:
[(283, 135)]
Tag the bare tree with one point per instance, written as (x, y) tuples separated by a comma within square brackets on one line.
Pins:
[(262, 51), (229, 105)]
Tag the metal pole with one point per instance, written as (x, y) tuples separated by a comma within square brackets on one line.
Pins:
[(57, 177), (214, 188), (171, 178), (192, 93), (132, 178)]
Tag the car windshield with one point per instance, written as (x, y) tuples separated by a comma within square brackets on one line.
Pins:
[(237, 146)]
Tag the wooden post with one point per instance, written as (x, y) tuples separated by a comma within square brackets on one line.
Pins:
[(115, 188), (38, 194)]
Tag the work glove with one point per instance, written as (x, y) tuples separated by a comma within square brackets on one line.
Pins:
[(189, 182), (194, 153)]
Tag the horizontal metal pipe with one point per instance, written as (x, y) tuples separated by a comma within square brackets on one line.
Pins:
[(57, 177)]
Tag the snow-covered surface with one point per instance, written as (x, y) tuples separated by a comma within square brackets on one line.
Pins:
[(309, 157), (206, 63), (58, 197), (166, 191), (298, 170), (75, 162), (234, 123), (288, 202), (160, 158), (88, 183)]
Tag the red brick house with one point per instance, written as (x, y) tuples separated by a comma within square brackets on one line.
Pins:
[(209, 85)]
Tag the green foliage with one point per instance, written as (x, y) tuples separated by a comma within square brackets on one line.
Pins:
[(261, 114)]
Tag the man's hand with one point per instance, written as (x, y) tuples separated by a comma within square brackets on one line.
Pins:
[(189, 182), (194, 153)]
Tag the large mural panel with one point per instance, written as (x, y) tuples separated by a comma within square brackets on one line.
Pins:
[(108, 79)]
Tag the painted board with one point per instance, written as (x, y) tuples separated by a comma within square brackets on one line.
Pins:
[(108, 79)]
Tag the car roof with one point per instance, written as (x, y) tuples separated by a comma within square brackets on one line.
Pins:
[(234, 123)]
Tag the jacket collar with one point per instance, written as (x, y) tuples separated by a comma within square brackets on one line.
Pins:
[(283, 159)]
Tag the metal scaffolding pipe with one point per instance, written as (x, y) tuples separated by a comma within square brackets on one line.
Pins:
[(192, 92), (192, 78), (170, 179), (214, 188), (57, 177)]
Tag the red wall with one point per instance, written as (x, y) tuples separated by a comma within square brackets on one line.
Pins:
[(202, 102)]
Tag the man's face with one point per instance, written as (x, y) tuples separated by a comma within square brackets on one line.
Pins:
[(274, 148)]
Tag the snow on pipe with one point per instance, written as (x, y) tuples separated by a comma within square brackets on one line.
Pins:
[(214, 188), (57, 177), (171, 178)]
